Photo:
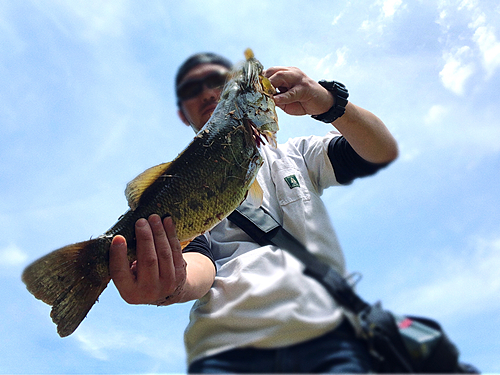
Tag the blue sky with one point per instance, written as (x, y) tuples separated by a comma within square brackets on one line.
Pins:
[(87, 103)]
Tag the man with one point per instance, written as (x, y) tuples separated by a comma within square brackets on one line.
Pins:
[(256, 310)]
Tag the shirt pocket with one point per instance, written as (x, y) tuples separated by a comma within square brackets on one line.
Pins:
[(289, 181)]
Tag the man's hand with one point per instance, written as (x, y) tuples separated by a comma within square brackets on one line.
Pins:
[(159, 274), (299, 94)]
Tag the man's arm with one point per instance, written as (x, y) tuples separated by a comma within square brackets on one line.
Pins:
[(365, 132), (162, 275)]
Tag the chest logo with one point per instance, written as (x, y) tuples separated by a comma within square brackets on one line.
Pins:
[(292, 181)]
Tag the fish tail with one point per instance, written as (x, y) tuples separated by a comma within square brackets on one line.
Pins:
[(70, 280)]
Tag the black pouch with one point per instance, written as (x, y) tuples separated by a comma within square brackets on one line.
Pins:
[(408, 344)]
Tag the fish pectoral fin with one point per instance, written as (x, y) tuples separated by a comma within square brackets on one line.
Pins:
[(138, 185), (267, 86), (185, 243), (255, 194)]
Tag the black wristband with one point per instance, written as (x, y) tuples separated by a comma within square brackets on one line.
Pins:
[(340, 95)]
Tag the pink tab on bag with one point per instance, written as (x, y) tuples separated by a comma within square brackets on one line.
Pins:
[(405, 323)]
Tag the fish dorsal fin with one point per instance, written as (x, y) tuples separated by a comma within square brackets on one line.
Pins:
[(255, 194), (249, 54), (136, 187)]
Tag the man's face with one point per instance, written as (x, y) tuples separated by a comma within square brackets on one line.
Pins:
[(196, 110)]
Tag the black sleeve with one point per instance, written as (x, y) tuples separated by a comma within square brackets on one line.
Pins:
[(200, 245), (346, 162)]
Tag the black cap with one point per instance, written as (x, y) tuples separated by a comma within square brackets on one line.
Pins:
[(200, 58)]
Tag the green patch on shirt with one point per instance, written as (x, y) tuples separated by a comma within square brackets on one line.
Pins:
[(292, 181)]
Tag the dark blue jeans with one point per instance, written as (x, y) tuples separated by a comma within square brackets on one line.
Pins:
[(338, 351)]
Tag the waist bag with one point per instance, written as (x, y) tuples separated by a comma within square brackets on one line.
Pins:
[(398, 344)]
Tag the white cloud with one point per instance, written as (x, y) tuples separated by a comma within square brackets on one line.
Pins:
[(458, 282), (489, 46), (387, 10), (408, 154), (389, 7), (97, 346), (471, 41), (436, 114), (366, 25), (324, 66), (456, 69), (341, 57), (443, 14), (12, 256), (468, 4), (91, 20), (324, 61), (336, 19), (102, 343)]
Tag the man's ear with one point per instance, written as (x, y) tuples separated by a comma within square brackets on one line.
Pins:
[(183, 117)]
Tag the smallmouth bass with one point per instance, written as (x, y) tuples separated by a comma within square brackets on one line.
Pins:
[(198, 189)]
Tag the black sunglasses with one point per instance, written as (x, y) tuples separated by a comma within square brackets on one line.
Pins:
[(192, 88)]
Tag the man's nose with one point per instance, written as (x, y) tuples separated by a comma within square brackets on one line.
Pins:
[(210, 93)]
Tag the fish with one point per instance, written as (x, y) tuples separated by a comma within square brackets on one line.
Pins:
[(198, 189)]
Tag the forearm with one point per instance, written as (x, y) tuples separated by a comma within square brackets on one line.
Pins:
[(367, 134), (200, 277)]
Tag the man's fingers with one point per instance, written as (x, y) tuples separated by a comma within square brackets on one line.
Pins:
[(271, 71), (162, 246), (175, 246), (286, 97), (284, 77), (119, 268), (147, 260)]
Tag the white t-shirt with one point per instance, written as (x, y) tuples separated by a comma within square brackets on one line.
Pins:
[(260, 297)]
